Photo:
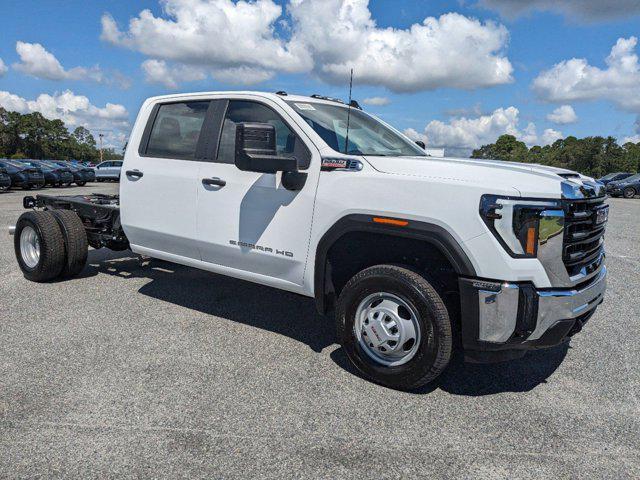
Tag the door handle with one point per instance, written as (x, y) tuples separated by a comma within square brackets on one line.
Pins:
[(134, 173), (218, 182)]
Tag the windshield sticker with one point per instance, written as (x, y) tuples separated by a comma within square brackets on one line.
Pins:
[(304, 106)]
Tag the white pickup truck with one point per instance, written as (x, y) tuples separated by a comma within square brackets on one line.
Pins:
[(414, 254)]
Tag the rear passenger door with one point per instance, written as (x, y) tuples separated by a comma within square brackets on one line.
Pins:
[(160, 181)]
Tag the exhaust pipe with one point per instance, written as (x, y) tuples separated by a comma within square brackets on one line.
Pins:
[(12, 230)]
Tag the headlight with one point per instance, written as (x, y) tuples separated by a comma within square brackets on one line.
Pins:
[(520, 225)]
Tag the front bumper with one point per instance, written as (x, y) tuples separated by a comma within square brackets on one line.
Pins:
[(502, 320)]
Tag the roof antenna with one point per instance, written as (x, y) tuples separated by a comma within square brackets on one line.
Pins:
[(346, 142)]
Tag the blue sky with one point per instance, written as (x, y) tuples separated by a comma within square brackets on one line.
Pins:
[(482, 104)]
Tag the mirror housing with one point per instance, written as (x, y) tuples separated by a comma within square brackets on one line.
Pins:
[(256, 150), (421, 144)]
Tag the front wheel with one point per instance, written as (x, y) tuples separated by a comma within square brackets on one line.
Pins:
[(81, 184), (394, 327), (629, 192)]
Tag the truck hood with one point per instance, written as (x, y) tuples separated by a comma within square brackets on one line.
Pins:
[(528, 179)]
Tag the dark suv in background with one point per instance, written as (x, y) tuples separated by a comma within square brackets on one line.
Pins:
[(614, 177), (627, 188), (54, 174), (81, 174), (5, 180), (22, 175)]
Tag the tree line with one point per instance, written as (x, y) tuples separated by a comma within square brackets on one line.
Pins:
[(592, 156), (33, 136)]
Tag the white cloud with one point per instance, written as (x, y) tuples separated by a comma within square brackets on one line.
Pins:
[(242, 75), (3, 68), (449, 51), (377, 101), (74, 110), (563, 115), (157, 71), (36, 61), (244, 31), (634, 138), (326, 37), (584, 9), (464, 134), (576, 80)]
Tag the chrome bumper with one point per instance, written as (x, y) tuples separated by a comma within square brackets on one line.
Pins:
[(513, 316), (555, 305)]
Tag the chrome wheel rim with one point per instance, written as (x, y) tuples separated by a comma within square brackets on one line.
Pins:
[(30, 247), (387, 329)]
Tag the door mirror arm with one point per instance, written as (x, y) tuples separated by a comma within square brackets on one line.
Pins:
[(294, 180)]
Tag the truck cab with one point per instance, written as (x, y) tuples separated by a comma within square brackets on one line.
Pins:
[(412, 253)]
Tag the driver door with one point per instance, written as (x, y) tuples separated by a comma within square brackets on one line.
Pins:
[(250, 223)]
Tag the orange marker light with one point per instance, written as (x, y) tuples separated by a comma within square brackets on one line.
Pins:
[(531, 241), (391, 221)]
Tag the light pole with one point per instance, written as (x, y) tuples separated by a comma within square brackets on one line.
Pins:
[(100, 135)]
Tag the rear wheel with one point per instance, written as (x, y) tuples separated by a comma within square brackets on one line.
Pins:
[(75, 242), (81, 184), (39, 246), (629, 192), (394, 327)]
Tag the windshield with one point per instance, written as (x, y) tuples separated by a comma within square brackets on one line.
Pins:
[(632, 178), (39, 165), (9, 167), (367, 135), (609, 176)]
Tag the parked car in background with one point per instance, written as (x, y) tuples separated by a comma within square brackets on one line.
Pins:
[(23, 175), (614, 177), (627, 188), (81, 175), (5, 180), (109, 170), (54, 175)]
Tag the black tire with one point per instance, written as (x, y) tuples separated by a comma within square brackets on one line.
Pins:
[(81, 184), (51, 240), (629, 192), (75, 242), (433, 353)]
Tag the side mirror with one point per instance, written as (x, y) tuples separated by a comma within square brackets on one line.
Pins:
[(421, 144), (256, 150)]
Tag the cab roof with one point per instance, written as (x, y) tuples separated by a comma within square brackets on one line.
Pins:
[(279, 96)]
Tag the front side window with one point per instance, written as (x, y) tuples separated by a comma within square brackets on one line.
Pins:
[(176, 130), (288, 144), (367, 135)]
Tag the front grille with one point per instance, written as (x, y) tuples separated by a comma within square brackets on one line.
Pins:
[(583, 238)]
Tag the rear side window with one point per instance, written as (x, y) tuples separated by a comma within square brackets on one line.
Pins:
[(288, 144), (176, 130)]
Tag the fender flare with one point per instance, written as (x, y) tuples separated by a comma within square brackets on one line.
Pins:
[(433, 234)]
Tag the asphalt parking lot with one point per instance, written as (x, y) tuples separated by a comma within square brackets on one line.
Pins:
[(140, 368)]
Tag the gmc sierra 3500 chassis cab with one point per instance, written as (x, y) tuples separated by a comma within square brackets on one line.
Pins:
[(414, 254)]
